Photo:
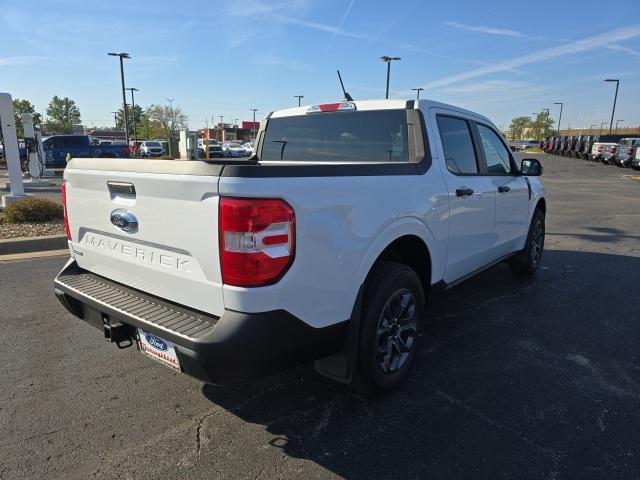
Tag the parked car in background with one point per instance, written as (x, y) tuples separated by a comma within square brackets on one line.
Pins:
[(635, 162), (249, 148), (57, 147), (150, 148), (627, 148), (233, 150)]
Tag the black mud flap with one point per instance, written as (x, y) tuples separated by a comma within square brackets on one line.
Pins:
[(342, 366)]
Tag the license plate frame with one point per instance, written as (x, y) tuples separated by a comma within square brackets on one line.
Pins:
[(158, 349)]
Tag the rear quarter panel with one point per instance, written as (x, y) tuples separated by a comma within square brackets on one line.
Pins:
[(342, 225)]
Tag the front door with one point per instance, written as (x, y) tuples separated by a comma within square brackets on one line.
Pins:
[(512, 200)]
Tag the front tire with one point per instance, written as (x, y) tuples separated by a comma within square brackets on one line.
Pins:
[(527, 261), (392, 313)]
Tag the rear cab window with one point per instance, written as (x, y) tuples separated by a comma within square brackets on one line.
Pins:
[(460, 156), (369, 136)]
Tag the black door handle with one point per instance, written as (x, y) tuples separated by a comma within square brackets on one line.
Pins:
[(464, 192), (503, 189)]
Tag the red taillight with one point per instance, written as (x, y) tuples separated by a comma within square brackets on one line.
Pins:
[(600, 149), (126, 150), (63, 191), (630, 151), (257, 240)]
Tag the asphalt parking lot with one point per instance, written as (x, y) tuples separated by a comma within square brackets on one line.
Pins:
[(519, 378)]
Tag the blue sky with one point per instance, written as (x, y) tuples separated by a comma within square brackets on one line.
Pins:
[(223, 58)]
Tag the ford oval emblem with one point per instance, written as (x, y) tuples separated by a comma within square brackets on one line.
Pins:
[(156, 342), (124, 220)]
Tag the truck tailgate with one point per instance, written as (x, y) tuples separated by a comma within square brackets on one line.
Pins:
[(173, 251)]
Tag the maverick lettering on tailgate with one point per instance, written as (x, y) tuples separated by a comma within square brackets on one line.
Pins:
[(137, 253)]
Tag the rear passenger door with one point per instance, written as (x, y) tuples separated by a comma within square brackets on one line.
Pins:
[(512, 200), (472, 197)]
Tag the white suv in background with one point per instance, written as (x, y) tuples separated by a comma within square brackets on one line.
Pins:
[(150, 148), (325, 245)]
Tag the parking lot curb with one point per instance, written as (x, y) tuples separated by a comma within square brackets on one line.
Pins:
[(32, 244)]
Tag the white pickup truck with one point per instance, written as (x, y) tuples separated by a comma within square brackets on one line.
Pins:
[(324, 245)]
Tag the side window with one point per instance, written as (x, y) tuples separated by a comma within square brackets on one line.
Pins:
[(495, 153), (73, 142), (457, 144)]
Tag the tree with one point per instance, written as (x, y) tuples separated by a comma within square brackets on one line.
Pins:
[(542, 126), (62, 115), (24, 106), (169, 118), (136, 115), (518, 125)]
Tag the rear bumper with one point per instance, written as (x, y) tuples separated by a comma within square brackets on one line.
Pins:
[(234, 347)]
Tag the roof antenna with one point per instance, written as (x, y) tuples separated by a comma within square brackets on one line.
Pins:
[(347, 97)]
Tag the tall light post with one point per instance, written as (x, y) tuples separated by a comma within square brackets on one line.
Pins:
[(592, 127), (299, 97), (235, 122), (115, 118), (388, 60), (417, 90), (602, 125), (615, 98), (560, 117), (124, 98), (618, 121), (133, 115), (253, 125), (170, 100)]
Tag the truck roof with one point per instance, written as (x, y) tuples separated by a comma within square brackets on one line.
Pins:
[(383, 104)]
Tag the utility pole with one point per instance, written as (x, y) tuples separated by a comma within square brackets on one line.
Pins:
[(170, 100), (124, 98), (299, 97), (417, 90), (253, 125), (133, 116), (615, 98), (559, 118), (388, 60)]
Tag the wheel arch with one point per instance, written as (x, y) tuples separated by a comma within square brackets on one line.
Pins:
[(409, 242)]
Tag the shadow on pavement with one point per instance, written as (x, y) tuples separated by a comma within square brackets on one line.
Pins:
[(516, 377)]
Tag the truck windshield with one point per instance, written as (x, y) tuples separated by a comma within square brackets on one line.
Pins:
[(378, 136)]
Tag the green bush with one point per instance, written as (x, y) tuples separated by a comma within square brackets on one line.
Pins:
[(33, 210)]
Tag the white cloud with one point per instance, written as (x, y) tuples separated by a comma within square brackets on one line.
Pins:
[(484, 29), (622, 48), (585, 44)]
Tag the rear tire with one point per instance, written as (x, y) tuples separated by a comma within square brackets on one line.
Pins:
[(392, 312), (527, 261)]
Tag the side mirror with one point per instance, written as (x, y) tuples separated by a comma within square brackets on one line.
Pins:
[(531, 167)]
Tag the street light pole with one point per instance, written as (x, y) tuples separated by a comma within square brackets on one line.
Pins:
[(417, 90), (388, 60), (115, 118), (133, 116), (170, 100), (602, 125), (618, 121), (299, 97), (560, 117), (253, 125), (615, 98), (124, 98)]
